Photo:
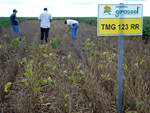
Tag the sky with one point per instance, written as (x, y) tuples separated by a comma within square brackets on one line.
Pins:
[(62, 8)]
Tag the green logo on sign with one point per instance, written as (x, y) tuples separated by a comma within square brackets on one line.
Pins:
[(124, 10), (127, 12), (107, 9)]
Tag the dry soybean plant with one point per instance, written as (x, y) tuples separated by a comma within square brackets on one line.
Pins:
[(66, 76)]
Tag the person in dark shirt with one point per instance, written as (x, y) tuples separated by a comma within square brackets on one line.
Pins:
[(15, 24)]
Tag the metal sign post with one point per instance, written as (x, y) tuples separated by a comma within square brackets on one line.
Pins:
[(120, 61), (120, 52), (118, 20)]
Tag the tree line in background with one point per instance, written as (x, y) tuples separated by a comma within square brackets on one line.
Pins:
[(5, 21)]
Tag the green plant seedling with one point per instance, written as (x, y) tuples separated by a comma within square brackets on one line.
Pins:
[(7, 86), (55, 42), (79, 66), (82, 72), (74, 79), (69, 56), (65, 105)]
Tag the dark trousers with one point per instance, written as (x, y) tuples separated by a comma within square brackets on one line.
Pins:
[(44, 31)]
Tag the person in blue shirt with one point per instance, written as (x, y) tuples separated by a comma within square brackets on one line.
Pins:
[(15, 24)]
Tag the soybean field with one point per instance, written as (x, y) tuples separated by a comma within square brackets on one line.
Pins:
[(71, 76)]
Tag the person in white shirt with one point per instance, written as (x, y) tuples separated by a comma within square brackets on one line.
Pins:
[(45, 18), (73, 26)]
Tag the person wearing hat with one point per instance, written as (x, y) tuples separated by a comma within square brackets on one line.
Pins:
[(45, 18), (15, 24), (73, 26)]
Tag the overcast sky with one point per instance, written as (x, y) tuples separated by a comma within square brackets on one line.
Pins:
[(62, 8)]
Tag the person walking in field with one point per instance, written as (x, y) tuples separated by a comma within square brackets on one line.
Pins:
[(15, 24), (73, 26), (45, 18)]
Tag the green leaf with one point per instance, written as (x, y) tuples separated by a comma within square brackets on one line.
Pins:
[(49, 82), (37, 54), (65, 71), (37, 89), (90, 104), (136, 64), (141, 62), (95, 53), (143, 103), (108, 75), (54, 68), (74, 79), (63, 94), (82, 72), (34, 46), (126, 66), (17, 42), (140, 102), (65, 105), (103, 76), (79, 66), (42, 81), (80, 77), (7, 86), (63, 65), (28, 73), (69, 56), (66, 95), (21, 62), (38, 82), (109, 78), (45, 55), (45, 81), (44, 69)]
